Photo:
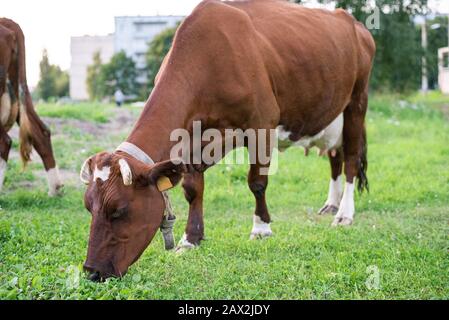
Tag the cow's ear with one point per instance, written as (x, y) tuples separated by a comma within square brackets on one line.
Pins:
[(165, 175), (86, 172)]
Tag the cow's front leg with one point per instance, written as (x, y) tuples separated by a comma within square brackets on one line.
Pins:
[(261, 221), (193, 185)]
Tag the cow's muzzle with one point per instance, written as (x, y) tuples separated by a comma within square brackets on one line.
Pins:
[(99, 274)]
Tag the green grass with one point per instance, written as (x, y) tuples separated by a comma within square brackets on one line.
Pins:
[(81, 111), (401, 227)]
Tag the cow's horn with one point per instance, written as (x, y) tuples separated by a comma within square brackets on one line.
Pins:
[(86, 173), (125, 170)]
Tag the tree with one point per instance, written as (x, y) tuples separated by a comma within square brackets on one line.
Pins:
[(62, 82), (157, 50), (53, 82), (397, 64), (119, 73), (93, 82), (46, 82)]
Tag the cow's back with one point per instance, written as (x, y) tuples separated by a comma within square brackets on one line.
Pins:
[(314, 58), (293, 65)]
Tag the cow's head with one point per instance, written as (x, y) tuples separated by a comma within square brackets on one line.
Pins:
[(127, 206)]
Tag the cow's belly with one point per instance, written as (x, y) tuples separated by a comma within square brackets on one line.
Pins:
[(330, 138)]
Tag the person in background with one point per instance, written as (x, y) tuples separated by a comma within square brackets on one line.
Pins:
[(119, 97)]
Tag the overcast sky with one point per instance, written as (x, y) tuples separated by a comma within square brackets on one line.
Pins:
[(50, 23)]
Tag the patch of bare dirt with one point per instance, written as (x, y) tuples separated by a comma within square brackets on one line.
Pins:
[(121, 123)]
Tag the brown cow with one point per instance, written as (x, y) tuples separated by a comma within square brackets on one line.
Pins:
[(16, 106), (262, 64)]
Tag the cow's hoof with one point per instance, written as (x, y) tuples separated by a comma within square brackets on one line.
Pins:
[(342, 221), (260, 235), (184, 245), (56, 191), (260, 229), (328, 209)]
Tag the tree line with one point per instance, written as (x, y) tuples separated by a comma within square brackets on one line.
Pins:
[(103, 79), (398, 61), (397, 67)]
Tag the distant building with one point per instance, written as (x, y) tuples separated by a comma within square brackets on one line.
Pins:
[(443, 70), (132, 35), (82, 50)]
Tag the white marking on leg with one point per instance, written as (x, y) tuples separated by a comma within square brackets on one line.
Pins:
[(260, 229), (102, 174), (184, 244), (333, 197), (345, 214), (3, 167), (54, 181), (335, 192)]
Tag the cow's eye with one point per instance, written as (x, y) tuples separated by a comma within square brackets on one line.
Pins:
[(118, 213)]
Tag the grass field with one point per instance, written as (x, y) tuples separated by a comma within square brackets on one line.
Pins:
[(400, 236)]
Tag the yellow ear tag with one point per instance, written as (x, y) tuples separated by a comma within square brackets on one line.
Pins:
[(163, 184)]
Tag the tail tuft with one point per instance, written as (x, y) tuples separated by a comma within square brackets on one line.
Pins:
[(362, 178)]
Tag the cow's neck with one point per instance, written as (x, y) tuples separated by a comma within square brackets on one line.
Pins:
[(167, 109)]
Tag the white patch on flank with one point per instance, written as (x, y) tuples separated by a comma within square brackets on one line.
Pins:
[(5, 107), (335, 192), (329, 139), (3, 166), (54, 181), (260, 229), (102, 174), (345, 214)]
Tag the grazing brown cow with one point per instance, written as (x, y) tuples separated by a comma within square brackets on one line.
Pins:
[(16, 106), (262, 64)]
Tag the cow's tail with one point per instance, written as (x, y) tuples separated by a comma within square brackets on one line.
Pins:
[(25, 136), (25, 133), (362, 178)]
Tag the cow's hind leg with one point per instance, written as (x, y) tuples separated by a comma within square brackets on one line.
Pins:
[(258, 183), (335, 185), (5, 147), (5, 140), (355, 156), (33, 132), (193, 185)]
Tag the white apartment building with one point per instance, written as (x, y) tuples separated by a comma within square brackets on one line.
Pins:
[(132, 35), (82, 50), (443, 70)]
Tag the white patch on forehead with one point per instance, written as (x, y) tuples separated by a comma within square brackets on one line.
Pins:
[(102, 174), (329, 138)]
